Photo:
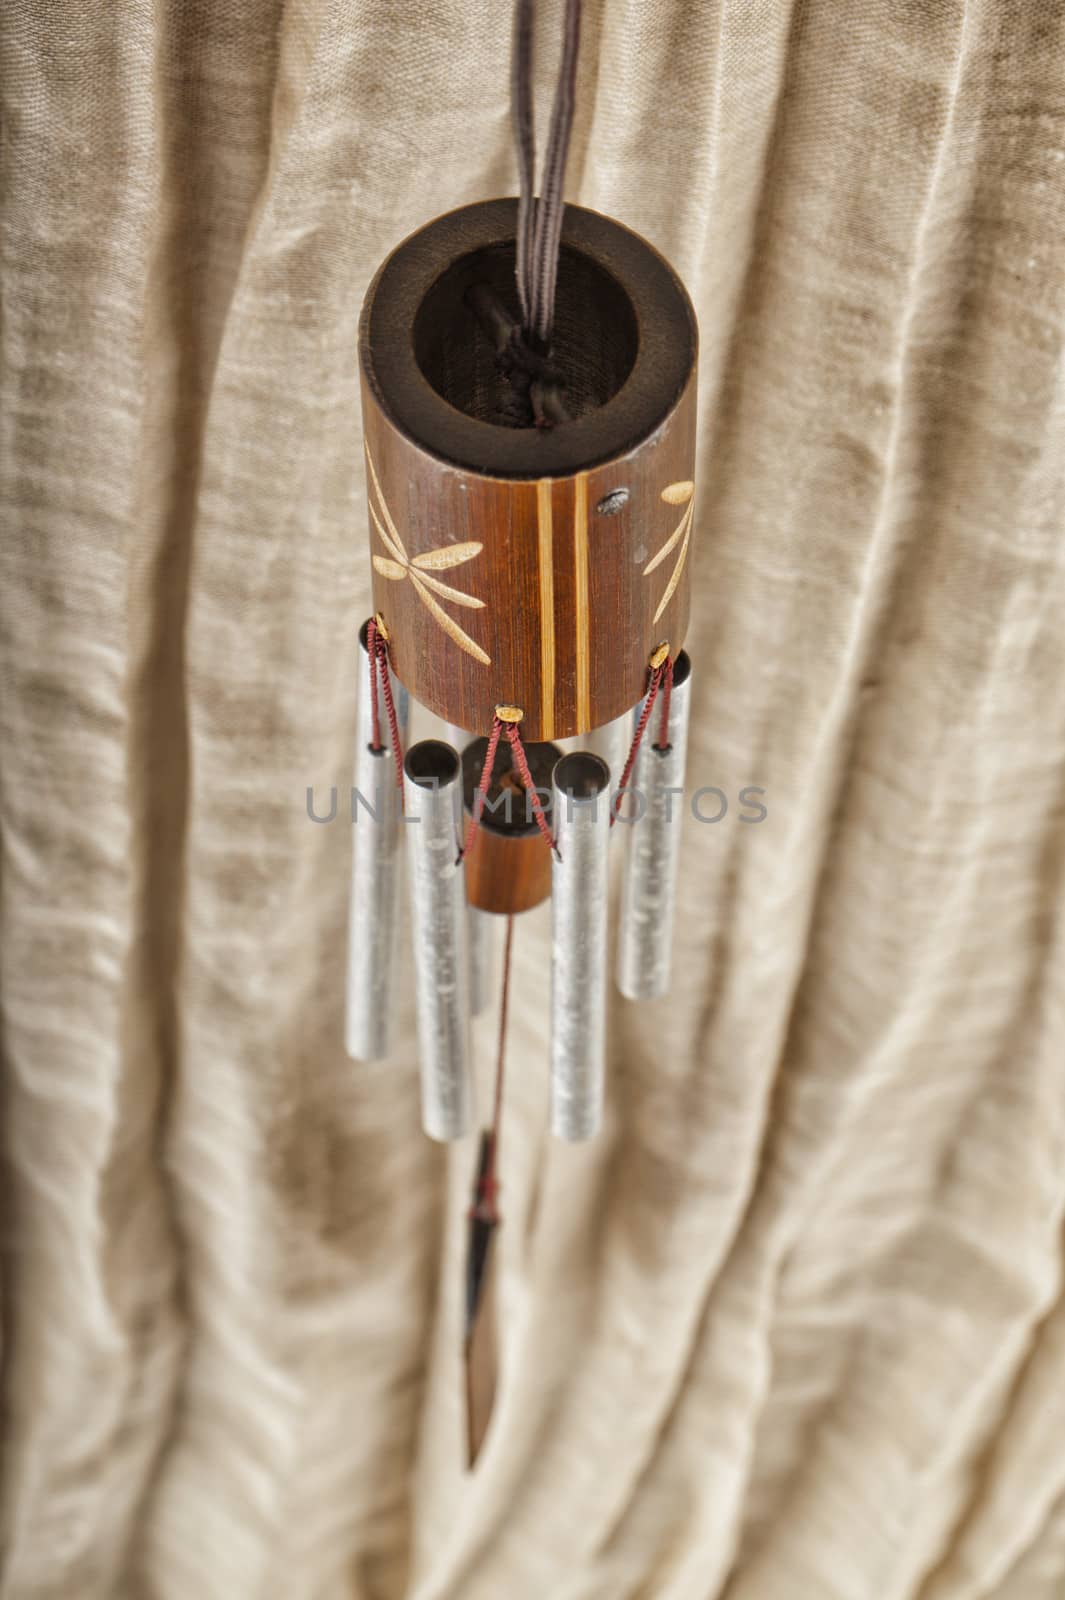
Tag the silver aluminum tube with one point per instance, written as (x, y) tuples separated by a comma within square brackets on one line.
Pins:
[(482, 951), (375, 868), (581, 816), (432, 787), (649, 892), (481, 926), (611, 744)]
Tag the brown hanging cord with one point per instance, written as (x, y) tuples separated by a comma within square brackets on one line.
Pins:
[(523, 349), (521, 111), (540, 221), (377, 650)]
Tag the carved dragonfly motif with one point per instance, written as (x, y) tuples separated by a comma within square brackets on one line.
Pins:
[(397, 565), (674, 494)]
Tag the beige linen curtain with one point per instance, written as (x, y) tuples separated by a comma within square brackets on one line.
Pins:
[(793, 1328)]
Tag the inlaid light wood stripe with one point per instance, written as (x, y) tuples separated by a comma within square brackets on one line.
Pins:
[(580, 588), (546, 537)]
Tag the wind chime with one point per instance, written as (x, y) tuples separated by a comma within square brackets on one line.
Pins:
[(528, 391)]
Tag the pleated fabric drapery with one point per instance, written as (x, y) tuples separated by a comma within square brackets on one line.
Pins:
[(793, 1328)]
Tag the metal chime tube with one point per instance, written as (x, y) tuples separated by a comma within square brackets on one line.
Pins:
[(482, 949), (479, 930), (375, 872), (645, 941), (611, 743), (432, 787), (581, 813)]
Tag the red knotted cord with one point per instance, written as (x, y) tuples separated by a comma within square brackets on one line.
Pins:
[(662, 742), (522, 764), (393, 719), (375, 710), (653, 686), (380, 671), (521, 761), (481, 792)]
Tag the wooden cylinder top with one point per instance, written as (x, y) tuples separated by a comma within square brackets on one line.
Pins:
[(529, 565)]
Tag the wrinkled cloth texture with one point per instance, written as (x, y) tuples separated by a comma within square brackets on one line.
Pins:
[(793, 1328)]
